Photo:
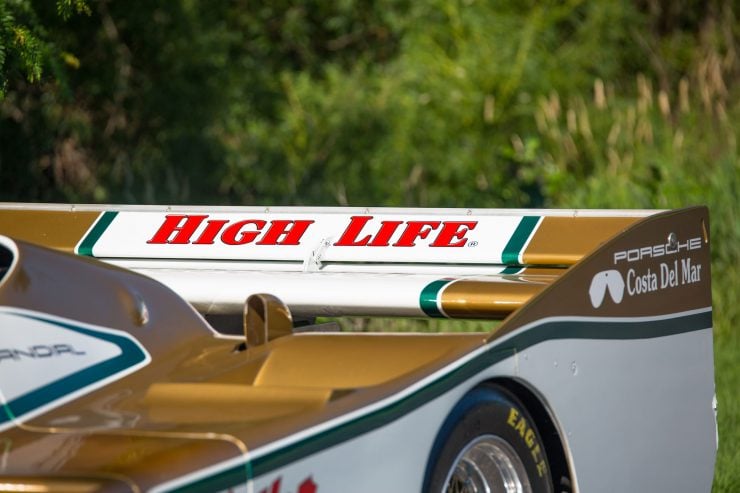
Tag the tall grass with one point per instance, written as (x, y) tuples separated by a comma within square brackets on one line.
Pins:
[(662, 148)]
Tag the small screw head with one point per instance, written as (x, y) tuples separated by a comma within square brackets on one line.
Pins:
[(672, 240)]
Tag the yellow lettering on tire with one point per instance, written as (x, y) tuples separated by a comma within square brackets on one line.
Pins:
[(530, 439), (521, 427), (513, 414), (536, 453)]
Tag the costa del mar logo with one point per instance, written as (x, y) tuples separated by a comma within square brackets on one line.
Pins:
[(610, 281)]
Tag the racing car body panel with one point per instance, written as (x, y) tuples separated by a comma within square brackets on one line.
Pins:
[(110, 379)]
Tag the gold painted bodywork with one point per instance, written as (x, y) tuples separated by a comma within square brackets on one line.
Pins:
[(566, 240), (57, 229), (484, 299), (203, 397), (206, 398)]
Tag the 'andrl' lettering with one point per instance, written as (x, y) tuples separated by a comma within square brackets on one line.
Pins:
[(39, 351)]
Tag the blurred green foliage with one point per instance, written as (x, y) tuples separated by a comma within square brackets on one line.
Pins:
[(350, 102), (624, 104)]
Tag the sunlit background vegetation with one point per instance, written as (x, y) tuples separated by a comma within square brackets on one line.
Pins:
[(614, 104)]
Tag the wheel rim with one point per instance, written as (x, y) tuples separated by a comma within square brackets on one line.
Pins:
[(487, 464)]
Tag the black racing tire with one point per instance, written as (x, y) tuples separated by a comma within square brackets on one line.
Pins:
[(488, 437)]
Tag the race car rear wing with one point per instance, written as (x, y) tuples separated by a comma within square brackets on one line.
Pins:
[(457, 263)]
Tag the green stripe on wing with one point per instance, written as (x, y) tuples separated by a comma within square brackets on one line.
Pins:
[(88, 242), (513, 248)]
